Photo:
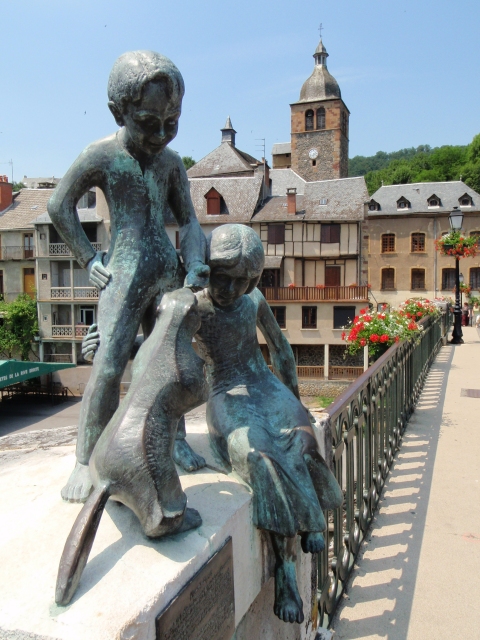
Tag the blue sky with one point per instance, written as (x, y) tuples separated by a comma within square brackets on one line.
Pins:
[(408, 71)]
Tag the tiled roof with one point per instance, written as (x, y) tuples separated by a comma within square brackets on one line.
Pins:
[(275, 209), (225, 159), (283, 179), (27, 206), (281, 147), (345, 199), (85, 215), (241, 196), (417, 194)]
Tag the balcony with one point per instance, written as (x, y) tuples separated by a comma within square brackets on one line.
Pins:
[(74, 293), (17, 253), (334, 373), (62, 249), (315, 294), (68, 331)]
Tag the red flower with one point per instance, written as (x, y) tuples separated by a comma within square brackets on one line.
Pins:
[(367, 318), (362, 311), (363, 342), (397, 339), (419, 314), (384, 338), (343, 335), (412, 326), (374, 337)]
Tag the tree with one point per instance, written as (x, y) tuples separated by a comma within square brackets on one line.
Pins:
[(18, 326), (16, 186), (188, 162)]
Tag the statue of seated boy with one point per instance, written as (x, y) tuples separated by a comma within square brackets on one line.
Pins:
[(256, 421), (142, 179)]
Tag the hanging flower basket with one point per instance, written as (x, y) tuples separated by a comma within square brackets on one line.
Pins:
[(456, 245)]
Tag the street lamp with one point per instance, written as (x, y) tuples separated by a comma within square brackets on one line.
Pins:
[(456, 222)]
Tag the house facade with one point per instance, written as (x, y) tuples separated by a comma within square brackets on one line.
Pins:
[(67, 301), (403, 222), (17, 238)]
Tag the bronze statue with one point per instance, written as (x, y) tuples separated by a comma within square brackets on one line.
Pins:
[(132, 460), (256, 421), (141, 179)]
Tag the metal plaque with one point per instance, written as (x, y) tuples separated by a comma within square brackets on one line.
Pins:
[(470, 393), (205, 608)]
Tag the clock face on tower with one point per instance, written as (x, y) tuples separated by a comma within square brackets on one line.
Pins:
[(313, 153)]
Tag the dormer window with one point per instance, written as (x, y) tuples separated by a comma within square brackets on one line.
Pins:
[(434, 201), (309, 120), (321, 118), (373, 205), (215, 203), (465, 200), (403, 203), (323, 201)]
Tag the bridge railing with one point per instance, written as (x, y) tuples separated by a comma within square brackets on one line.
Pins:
[(367, 423)]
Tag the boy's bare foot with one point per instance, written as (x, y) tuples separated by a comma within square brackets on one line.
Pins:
[(79, 485), (185, 456), (312, 542), (288, 604), (191, 520)]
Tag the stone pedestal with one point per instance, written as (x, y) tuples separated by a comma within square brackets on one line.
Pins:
[(129, 580)]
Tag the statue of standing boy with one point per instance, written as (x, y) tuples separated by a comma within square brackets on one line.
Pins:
[(141, 179)]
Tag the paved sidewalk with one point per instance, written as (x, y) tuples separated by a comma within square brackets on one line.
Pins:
[(418, 574)]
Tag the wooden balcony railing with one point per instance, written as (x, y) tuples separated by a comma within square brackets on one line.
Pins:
[(17, 253), (314, 294), (61, 249), (335, 373)]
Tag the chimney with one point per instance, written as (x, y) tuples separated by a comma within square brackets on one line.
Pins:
[(6, 193), (292, 200)]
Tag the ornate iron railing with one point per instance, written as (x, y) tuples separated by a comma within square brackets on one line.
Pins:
[(367, 423), (78, 293), (62, 249)]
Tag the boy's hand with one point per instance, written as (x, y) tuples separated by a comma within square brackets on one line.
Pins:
[(198, 277), (97, 273), (90, 343)]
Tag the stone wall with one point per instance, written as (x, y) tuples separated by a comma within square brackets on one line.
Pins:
[(328, 388), (311, 355), (339, 358), (324, 143)]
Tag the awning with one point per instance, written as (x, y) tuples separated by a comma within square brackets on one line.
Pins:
[(13, 371), (273, 262)]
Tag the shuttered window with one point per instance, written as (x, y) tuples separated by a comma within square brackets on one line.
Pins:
[(330, 233), (276, 233), (388, 278), (418, 278)]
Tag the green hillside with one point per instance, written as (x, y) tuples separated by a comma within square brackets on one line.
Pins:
[(421, 164)]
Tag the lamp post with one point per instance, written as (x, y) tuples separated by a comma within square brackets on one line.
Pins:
[(456, 221)]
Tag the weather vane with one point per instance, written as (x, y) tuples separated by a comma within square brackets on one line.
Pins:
[(320, 29)]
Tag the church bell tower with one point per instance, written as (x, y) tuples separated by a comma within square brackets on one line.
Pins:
[(319, 125)]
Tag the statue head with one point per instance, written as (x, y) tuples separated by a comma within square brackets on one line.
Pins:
[(236, 258), (145, 92)]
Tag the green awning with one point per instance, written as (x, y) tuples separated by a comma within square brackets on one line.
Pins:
[(13, 371)]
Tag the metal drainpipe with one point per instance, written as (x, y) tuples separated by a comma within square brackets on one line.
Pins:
[(434, 259)]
